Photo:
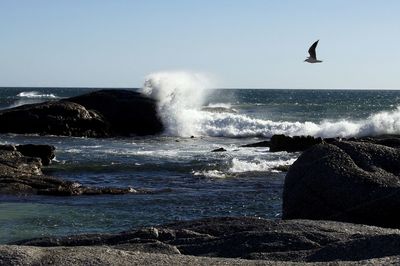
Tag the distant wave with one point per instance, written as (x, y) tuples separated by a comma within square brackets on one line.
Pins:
[(35, 94)]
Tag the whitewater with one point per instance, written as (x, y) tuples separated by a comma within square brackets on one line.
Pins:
[(181, 96)]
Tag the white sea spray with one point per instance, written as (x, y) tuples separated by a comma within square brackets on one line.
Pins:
[(182, 94)]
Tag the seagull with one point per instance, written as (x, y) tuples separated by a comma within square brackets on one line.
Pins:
[(313, 56)]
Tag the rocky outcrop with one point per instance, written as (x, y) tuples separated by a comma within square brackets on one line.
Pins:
[(127, 112), (44, 152), (95, 255), (286, 143), (264, 143), (105, 113), (356, 182), (219, 150), (385, 140), (21, 174), (53, 118), (247, 238), (292, 144)]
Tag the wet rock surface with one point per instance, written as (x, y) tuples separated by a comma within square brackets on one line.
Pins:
[(105, 113)]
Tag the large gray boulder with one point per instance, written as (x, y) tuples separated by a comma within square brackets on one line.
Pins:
[(348, 181), (105, 113), (245, 238)]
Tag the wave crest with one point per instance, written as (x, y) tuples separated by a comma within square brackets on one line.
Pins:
[(181, 96), (237, 125), (35, 94)]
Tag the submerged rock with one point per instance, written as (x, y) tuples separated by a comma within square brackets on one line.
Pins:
[(246, 238), (356, 182), (105, 113)]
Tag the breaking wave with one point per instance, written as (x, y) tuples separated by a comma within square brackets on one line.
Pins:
[(257, 165), (36, 94), (237, 125), (181, 96), (238, 166)]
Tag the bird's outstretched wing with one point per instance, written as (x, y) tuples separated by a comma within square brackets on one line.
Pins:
[(311, 51)]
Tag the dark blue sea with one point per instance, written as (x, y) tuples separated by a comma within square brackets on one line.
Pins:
[(189, 181)]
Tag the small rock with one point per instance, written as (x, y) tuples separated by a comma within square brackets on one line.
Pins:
[(219, 150), (265, 143)]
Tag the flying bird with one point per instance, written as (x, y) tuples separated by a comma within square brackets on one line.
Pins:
[(313, 55)]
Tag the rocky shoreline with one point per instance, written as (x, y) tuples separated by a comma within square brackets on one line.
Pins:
[(324, 218), (340, 199), (214, 241), (21, 174)]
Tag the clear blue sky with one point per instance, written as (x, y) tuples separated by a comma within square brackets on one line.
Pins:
[(256, 44)]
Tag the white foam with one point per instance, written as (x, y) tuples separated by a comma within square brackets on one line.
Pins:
[(35, 94), (210, 174), (237, 125), (223, 105), (181, 95), (257, 165), (238, 166)]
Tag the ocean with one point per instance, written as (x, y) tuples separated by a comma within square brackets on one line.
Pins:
[(186, 179)]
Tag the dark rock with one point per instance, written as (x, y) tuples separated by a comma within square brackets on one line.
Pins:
[(386, 140), (20, 174), (44, 152), (54, 118), (8, 147), (219, 150), (265, 143), (292, 144), (105, 113), (248, 238), (127, 112), (345, 181), (282, 168)]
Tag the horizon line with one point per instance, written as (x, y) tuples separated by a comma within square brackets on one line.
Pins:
[(222, 88)]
